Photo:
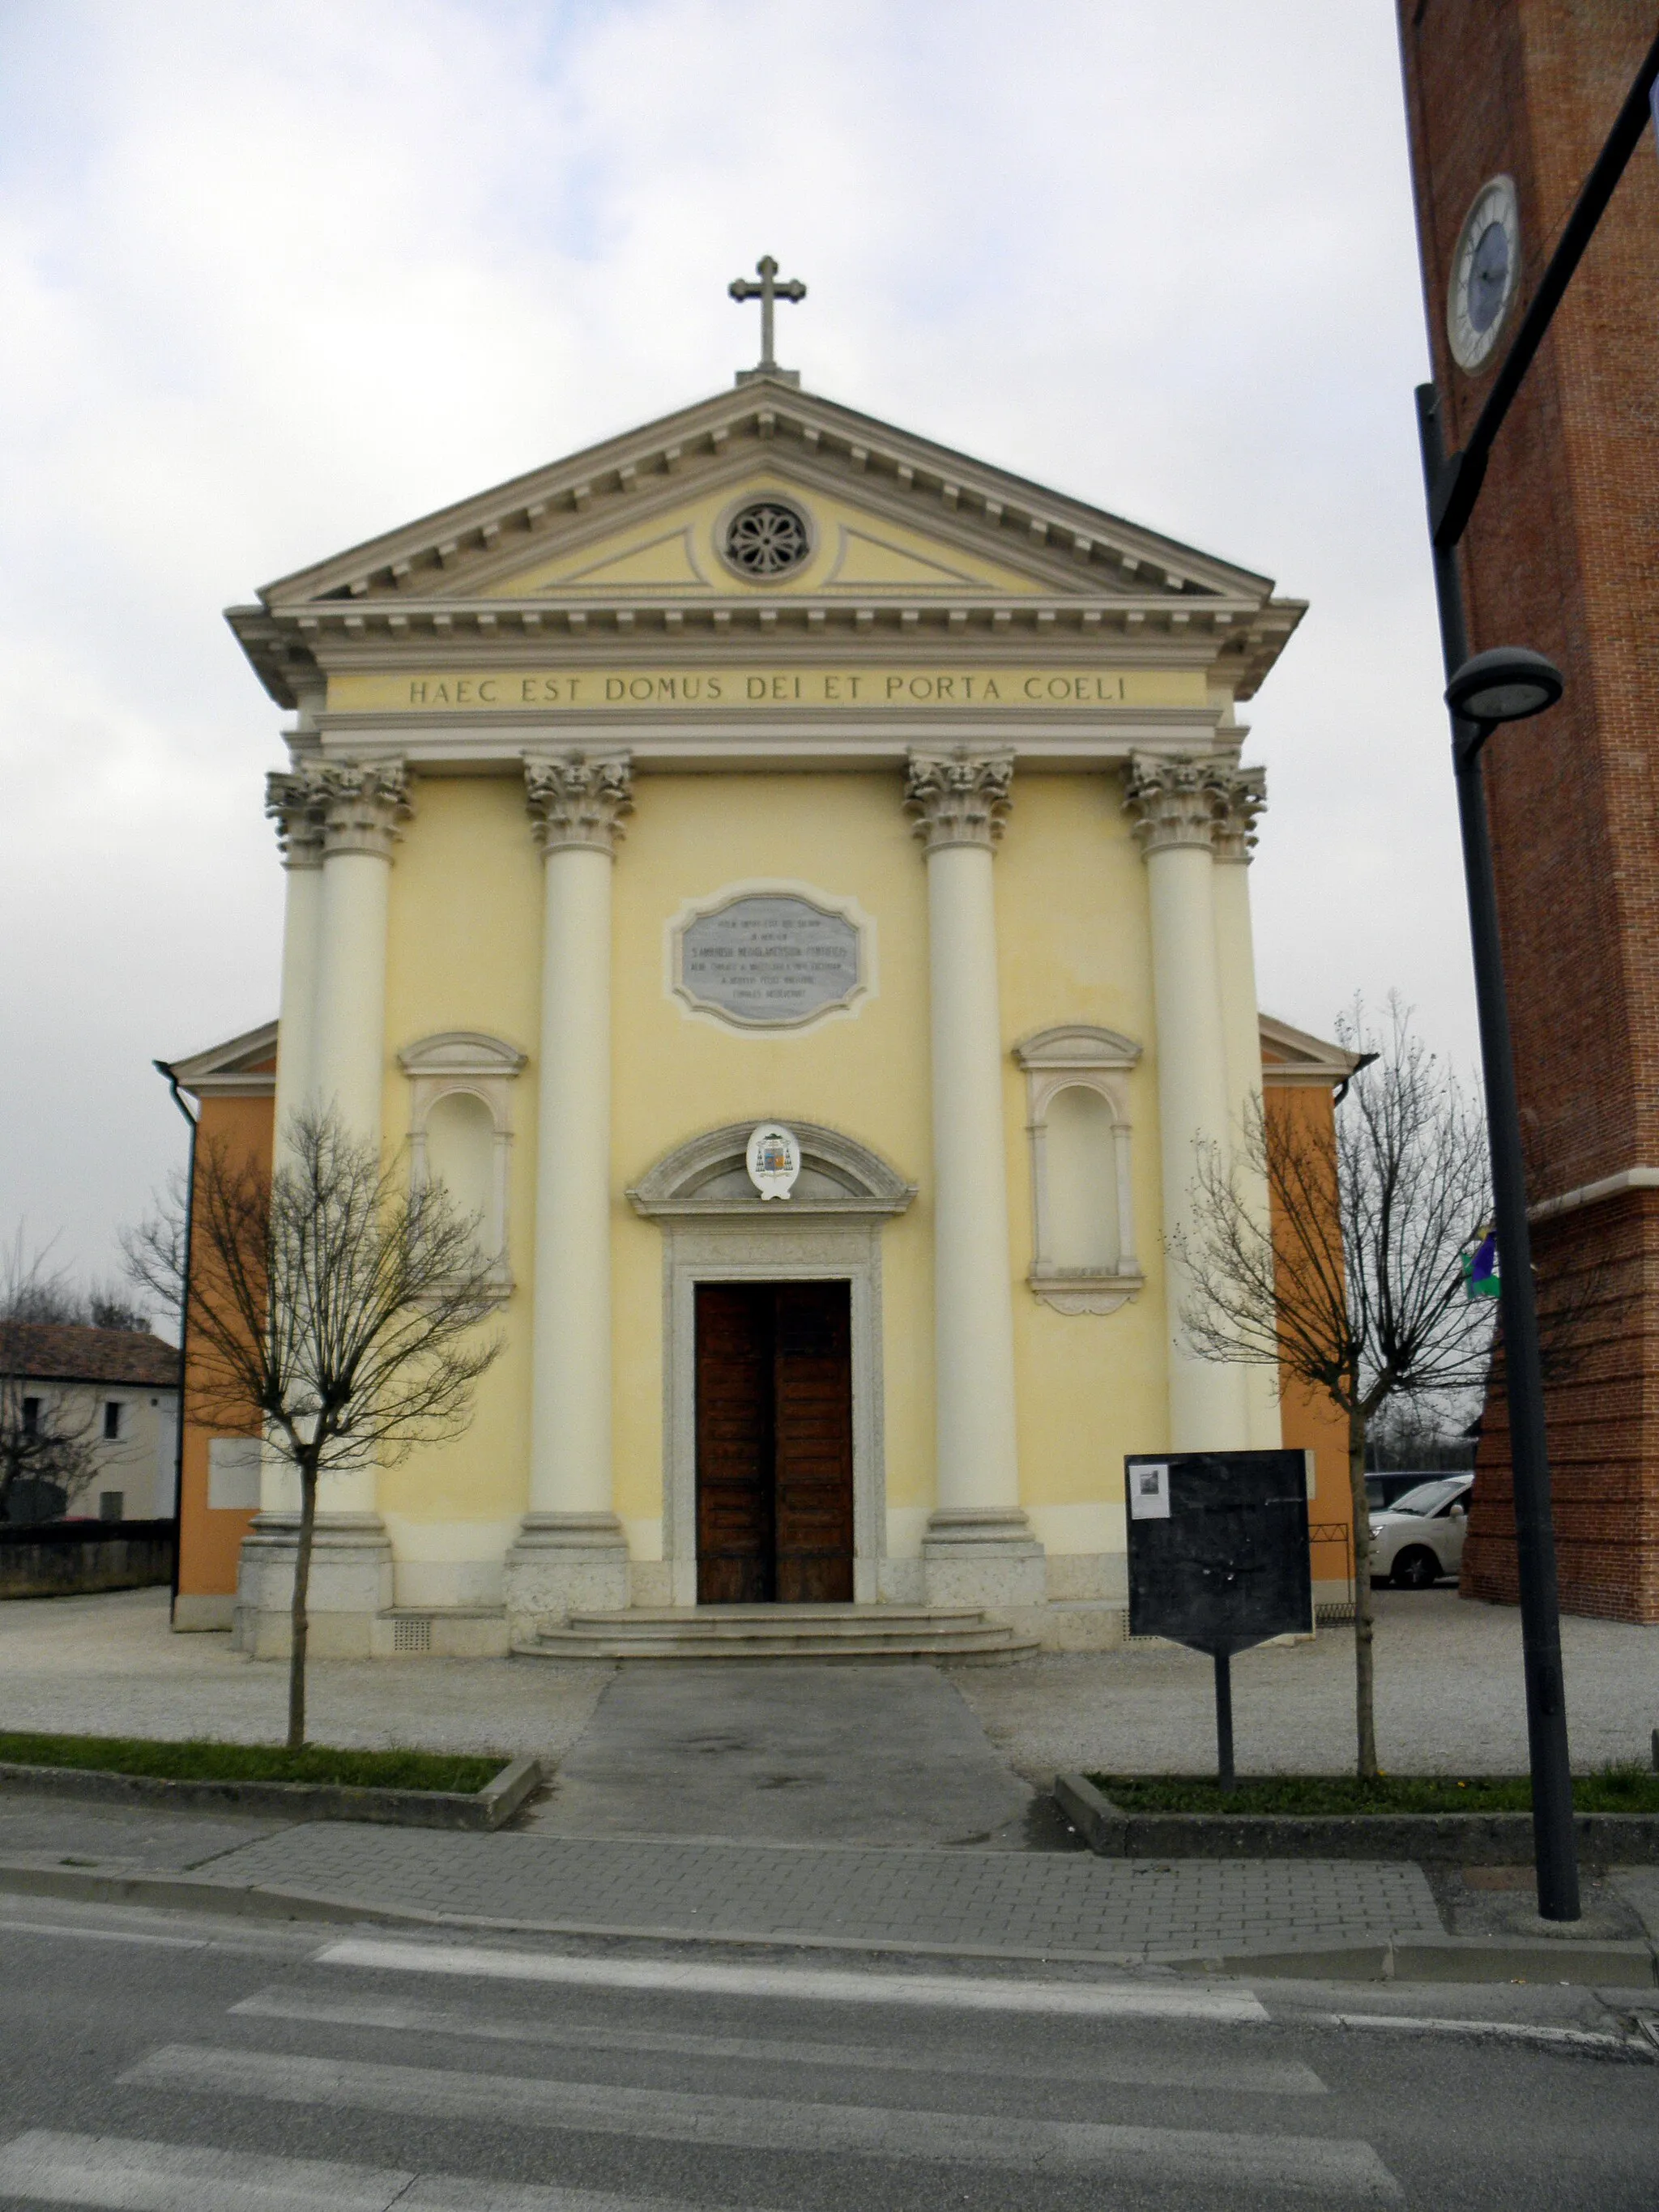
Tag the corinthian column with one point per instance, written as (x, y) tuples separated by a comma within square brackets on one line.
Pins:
[(334, 982), (1175, 804), (1240, 795), (295, 799), (365, 805), (571, 1551), (979, 1548)]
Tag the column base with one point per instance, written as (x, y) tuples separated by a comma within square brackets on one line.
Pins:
[(563, 1563), (350, 1584), (982, 1555)]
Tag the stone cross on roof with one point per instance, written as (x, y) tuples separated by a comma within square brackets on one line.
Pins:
[(766, 292)]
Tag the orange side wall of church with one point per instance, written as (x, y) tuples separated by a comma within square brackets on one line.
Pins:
[(1309, 1421), (209, 1538)]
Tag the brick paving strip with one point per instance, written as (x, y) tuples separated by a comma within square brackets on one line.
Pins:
[(1057, 1902)]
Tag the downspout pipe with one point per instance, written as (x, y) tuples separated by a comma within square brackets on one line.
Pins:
[(172, 1080)]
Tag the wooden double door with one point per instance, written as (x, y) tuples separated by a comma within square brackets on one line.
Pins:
[(774, 1444)]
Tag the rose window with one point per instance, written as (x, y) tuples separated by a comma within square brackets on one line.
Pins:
[(766, 539)]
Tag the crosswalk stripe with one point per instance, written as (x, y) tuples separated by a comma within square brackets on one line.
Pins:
[(1324, 2168), (124, 2175), (132, 2176), (1079, 2000), (58, 1930), (1266, 2077)]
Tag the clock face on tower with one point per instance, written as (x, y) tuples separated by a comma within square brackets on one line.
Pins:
[(1485, 273)]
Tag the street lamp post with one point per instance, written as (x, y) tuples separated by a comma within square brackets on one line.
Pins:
[(1509, 685)]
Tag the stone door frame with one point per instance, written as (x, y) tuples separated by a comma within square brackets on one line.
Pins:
[(712, 1235)]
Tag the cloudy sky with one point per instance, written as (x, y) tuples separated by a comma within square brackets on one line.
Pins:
[(275, 276)]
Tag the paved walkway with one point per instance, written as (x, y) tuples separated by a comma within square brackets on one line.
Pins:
[(787, 1753)]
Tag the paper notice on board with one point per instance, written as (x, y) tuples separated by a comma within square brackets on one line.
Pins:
[(1149, 1490)]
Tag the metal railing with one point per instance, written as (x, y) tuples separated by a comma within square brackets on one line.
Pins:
[(1328, 1537)]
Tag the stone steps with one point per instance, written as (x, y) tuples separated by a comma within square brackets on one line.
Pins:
[(846, 1632)]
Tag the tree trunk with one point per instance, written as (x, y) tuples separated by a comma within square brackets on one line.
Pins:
[(299, 1623), (1363, 1691)]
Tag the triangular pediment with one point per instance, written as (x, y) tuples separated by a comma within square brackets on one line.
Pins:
[(631, 531), (676, 548)]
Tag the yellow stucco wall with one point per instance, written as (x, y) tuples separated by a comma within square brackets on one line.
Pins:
[(1074, 946), (464, 952)]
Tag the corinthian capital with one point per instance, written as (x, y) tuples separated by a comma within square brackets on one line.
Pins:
[(366, 804), (1240, 795), (1173, 800), (296, 802), (579, 798), (959, 797)]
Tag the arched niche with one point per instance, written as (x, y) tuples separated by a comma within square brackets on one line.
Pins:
[(460, 1126), (1083, 1237), (716, 1228)]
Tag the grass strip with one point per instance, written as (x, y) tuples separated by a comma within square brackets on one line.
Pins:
[(199, 1760), (1618, 1789)]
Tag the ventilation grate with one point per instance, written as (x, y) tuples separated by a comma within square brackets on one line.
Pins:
[(412, 1632)]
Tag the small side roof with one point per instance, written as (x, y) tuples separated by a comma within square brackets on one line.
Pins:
[(242, 1067), (1290, 1056)]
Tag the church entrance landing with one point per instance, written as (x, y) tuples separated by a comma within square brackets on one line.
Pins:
[(774, 1444)]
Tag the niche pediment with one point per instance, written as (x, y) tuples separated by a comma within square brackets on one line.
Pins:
[(707, 1175)]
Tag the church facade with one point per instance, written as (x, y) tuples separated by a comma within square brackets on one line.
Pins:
[(790, 882)]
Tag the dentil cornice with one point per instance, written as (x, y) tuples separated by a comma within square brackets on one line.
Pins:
[(579, 798), (960, 798)]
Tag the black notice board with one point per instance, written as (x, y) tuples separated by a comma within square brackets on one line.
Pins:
[(1219, 1548)]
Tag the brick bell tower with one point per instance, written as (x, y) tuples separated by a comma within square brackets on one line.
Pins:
[(1507, 103)]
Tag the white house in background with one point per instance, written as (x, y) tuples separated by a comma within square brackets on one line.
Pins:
[(117, 1389)]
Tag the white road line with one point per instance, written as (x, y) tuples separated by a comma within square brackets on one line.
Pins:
[(1325, 2169), (1507, 2031), (1079, 2000), (121, 2174), (1266, 2077)]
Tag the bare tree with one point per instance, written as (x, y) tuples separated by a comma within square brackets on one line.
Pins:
[(334, 1304), (1355, 1286), (32, 1289)]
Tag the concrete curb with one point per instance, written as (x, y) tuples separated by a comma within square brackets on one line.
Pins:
[(490, 1808), (1430, 1839)]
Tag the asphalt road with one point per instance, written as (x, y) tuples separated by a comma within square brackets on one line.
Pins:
[(152, 2061)]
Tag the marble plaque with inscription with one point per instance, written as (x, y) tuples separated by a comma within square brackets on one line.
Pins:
[(769, 960)]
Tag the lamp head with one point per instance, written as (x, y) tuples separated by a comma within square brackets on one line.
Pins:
[(1505, 685)]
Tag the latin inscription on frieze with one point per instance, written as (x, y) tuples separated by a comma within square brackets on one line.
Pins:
[(769, 960)]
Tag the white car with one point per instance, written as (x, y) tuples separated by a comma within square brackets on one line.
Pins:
[(1420, 1537)]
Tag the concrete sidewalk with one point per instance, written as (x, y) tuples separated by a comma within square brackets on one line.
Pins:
[(1019, 1904)]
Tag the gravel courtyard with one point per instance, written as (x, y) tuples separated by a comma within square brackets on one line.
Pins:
[(1449, 1693), (1448, 1698)]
